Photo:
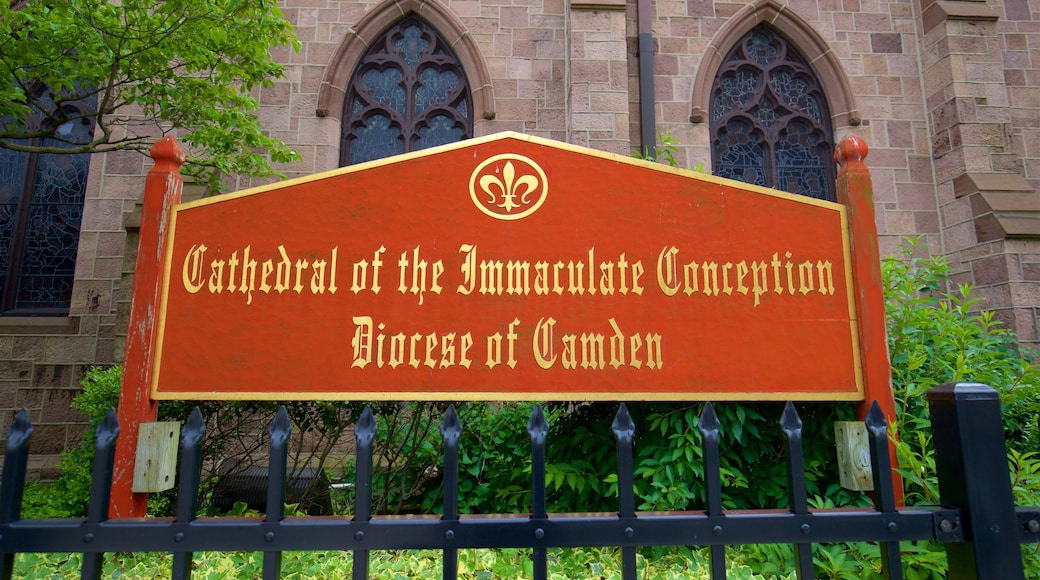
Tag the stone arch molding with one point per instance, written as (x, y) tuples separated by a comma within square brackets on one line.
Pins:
[(820, 56), (368, 29)]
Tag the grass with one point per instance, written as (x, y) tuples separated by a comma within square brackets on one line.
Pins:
[(563, 564)]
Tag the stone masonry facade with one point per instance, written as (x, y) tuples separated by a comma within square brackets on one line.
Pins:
[(945, 92)]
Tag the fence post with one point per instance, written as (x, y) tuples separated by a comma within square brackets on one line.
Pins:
[(971, 463)]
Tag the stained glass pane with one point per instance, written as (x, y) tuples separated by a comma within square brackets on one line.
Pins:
[(761, 48), (441, 130), (375, 140), (12, 180), (796, 93), (734, 90), (52, 233), (412, 45), (739, 153), (386, 87), (767, 112), (800, 158), (434, 87)]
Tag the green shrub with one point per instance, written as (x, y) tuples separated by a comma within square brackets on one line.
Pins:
[(935, 336)]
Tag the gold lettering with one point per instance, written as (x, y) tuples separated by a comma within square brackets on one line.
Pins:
[(362, 341), (654, 360), (232, 265), (826, 284), (447, 350), (575, 273), (711, 278), (637, 273), (216, 277), (617, 346), (491, 277), (726, 288), (518, 278), (622, 265), (431, 345), (467, 343), (301, 265), (332, 275), (397, 350), (412, 360), (776, 274), (759, 280), (511, 337), (542, 343), (805, 277), (690, 278), (635, 343), (376, 264), (790, 276), (606, 278), (469, 269), (266, 269), (191, 271), (541, 278), (283, 272), (742, 271), (592, 272), (667, 277), (438, 271), (360, 276), (592, 356), (569, 358), (379, 345), (402, 263), (494, 350), (248, 266)]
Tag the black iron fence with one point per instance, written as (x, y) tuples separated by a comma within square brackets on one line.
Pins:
[(978, 522)]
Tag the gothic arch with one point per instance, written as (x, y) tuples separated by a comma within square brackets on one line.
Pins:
[(368, 29), (821, 57)]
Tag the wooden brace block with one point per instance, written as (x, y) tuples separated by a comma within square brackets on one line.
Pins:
[(853, 455), (155, 466)]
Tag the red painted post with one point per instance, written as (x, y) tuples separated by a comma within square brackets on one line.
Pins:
[(856, 192), (162, 190)]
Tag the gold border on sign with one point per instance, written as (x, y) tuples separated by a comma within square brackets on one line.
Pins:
[(172, 393)]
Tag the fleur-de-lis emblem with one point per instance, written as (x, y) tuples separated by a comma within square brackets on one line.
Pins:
[(506, 183), (507, 190)]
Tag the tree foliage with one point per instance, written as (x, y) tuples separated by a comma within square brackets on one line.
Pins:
[(147, 68)]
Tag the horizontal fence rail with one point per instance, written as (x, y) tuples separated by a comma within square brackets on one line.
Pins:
[(970, 526)]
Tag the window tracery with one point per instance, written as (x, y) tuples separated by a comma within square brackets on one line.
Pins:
[(770, 124), (408, 93)]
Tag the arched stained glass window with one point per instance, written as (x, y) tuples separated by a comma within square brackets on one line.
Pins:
[(41, 207), (409, 92), (770, 124)]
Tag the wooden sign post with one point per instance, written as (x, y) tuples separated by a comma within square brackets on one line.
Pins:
[(513, 267), (162, 190)]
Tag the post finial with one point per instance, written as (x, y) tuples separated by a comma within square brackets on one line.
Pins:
[(852, 149), (168, 151)]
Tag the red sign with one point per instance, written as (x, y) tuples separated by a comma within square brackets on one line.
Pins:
[(508, 267)]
